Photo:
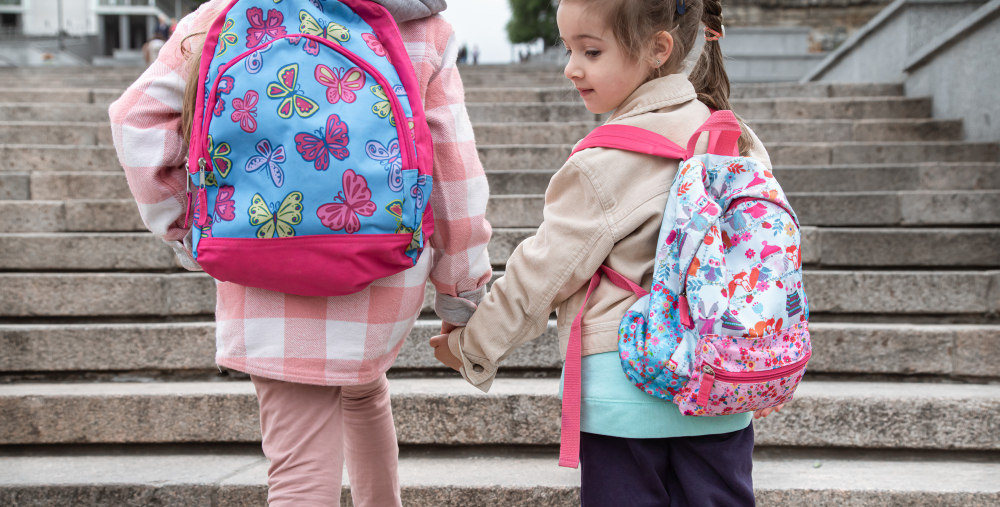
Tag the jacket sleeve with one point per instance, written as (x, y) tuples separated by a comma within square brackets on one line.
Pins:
[(146, 130), (461, 231), (574, 239)]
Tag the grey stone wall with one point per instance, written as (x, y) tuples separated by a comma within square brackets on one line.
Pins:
[(964, 79)]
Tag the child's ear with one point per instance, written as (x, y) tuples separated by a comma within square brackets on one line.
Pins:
[(663, 47)]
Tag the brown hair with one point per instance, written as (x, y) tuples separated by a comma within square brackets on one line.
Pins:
[(635, 23)]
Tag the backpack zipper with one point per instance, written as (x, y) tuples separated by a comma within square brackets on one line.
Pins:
[(709, 375)]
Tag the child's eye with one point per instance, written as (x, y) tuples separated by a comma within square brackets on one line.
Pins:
[(568, 51), (593, 53)]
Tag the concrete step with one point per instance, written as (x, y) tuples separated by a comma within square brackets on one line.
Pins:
[(845, 178), (473, 94), (827, 247), (455, 478), (95, 133), (52, 111), (57, 186), (870, 209), (63, 133), (516, 411), (821, 247), (944, 350), (844, 108), (57, 95), (94, 295), (540, 156), (795, 131)]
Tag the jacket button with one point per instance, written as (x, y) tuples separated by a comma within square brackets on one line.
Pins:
[(477, 368)]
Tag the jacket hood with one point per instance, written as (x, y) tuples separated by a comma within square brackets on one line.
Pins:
[(407, 10)]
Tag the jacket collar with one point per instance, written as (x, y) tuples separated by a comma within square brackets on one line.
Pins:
[(662, 92)]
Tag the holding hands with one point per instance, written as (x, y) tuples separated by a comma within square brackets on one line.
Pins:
[(441, 350)]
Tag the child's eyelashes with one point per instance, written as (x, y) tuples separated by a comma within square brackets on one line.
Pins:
[(592, 53)]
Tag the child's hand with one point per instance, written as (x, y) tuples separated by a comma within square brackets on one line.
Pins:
[(443, 353), (764, 412), (447, 327)]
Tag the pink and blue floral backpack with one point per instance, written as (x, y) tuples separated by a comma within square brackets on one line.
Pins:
[(310, 152), (725, 328)]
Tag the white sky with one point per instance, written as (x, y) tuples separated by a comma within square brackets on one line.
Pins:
[(482, 22)]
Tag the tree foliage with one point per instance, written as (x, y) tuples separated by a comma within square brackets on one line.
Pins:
[(532, 20)]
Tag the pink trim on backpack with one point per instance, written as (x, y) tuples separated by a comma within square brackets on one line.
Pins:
[(264, 263), (198, 139), (569, 431)]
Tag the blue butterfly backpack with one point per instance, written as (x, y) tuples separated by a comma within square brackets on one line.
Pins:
[(310, 155)]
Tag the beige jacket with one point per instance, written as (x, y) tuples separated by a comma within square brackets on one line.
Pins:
[(603, 206)]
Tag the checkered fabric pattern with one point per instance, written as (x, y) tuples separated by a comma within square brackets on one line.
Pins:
[(344, 340)]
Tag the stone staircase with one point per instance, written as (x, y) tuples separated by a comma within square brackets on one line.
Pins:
[(109, 394)]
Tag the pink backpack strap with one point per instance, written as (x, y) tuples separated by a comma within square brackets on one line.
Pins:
[(569, 433), (723, 135), (629, 138)]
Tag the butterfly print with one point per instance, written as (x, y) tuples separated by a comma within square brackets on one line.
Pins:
[(354, 200), (220, 107), (226, 84), (390, 159), (287, 89), (383, 108), (268, 158), (395, 208), (376, 45), (340, 83), (264, 29), (317, 4), (417, 191), (246, 111), (318, 148), (220, 157), (333, 32), (225, 206), (276, 219), (227, 38)]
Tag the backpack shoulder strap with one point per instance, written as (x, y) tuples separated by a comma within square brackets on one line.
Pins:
[(629, 138)]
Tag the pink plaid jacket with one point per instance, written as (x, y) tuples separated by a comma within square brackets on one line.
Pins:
[(345, 340)]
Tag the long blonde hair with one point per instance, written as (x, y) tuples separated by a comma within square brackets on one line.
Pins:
[(635, 23)]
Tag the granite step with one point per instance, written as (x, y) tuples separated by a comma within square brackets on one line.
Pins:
[(24, 158), (769, 131), (870, 209), (91, 185), (842, 108), (448, 411), (826, 247), (63, 133), (454, 478), (567, 93), (541, 156), (474, 94), (96, 295), (142, 350), (842, 178), (97, 133)]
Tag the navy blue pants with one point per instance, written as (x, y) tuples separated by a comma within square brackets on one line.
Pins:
[(703, 471)]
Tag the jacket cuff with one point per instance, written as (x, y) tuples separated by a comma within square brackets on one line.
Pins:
[(477, 371), (183, 253), (458, 309)]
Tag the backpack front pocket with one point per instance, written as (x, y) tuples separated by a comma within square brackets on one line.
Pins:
[(739, 374)]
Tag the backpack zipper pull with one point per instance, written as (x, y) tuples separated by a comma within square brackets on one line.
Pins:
[(201, 171), (684, 310), (705, 389)]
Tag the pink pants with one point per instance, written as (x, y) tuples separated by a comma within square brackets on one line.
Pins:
[(309, 429)]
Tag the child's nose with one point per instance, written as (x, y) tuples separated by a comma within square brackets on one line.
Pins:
[(572, 70)]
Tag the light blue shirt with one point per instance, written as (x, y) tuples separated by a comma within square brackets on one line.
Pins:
[(613, 406)]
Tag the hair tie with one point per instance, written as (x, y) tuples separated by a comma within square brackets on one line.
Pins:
[(681, 7), (712, 35)]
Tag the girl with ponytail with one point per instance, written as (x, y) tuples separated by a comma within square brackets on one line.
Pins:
[(604, 207)]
